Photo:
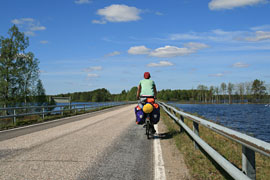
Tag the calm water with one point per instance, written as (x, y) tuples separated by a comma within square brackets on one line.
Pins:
[(252, 119)]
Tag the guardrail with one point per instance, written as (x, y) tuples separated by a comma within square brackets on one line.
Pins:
[(250, 145), (60, 109)]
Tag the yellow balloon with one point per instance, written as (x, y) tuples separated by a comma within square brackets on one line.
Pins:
[(148, 108)]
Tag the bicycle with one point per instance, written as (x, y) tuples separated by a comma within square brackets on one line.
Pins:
[(147, 124)]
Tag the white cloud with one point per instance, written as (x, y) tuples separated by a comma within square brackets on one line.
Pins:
[(220, 32), (62, 73), (99, 22), (240, 65), (214, 35), (29, 33), (119, 13), (160, 64), (92, 75), (44, 42), (259, 36), (219, 35), (29, 25), (230, 4), (37, 28), (261, 28), (216, 75), (138, 50), (112, 54), (82, 1), (190, 36), (93, 68), (196, 46), (170, 51), (22, 20)]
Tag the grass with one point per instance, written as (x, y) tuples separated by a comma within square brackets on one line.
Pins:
[(200, 165), (7, 123)]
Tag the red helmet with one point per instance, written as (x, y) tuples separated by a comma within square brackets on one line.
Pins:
[(146, 75)]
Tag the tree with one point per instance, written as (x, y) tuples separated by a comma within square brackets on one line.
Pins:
[(200, 94), (29, 74), (40, 94), (223, 87), (258, 89), (241, 91), (217, 94), (211, 93), (131, 95), (12, 50), (230, 90)]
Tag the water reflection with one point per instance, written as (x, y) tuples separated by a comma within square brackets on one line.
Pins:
[(252, 119)]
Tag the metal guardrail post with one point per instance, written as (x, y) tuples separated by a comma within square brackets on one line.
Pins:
[(43, 113), (196, 131), (14, 116), (62, 110), (182, 119), (248, 162)]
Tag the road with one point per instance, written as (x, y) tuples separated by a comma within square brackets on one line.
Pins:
[(106, 145)]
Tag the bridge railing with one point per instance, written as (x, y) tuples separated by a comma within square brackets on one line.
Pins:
[(15, 112), (250, 145)]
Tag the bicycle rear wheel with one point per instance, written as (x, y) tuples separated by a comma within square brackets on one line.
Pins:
[(148, 129)]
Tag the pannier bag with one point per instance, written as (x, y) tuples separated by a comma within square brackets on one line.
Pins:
[(155, 115), (140, 118)]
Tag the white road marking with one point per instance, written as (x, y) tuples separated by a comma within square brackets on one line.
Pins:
[(159, 163)]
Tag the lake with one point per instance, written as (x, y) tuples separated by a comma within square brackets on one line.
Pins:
[(252, 119)]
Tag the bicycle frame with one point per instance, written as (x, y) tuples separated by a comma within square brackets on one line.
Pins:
[(147, 128)]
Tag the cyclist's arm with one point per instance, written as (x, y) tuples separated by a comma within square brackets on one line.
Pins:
[(155, 91), (139, 91)]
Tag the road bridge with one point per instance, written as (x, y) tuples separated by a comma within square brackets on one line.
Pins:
[(100, 145)]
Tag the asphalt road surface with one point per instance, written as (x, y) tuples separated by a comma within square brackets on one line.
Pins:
[(106, 145)]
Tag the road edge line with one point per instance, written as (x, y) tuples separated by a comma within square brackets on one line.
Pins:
[(159, 173)]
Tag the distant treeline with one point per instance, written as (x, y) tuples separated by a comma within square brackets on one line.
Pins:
[(101, 95), (248, 92)]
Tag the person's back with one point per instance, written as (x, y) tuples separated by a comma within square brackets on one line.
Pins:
[(146, 87)]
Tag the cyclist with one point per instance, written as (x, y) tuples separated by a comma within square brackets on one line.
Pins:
[(147, 89)]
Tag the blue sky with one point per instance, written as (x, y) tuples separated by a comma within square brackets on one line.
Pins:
[(83, 45)]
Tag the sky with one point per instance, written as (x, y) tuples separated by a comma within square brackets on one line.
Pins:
[(83, 45)]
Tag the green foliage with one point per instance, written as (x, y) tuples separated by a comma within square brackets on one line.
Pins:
[(258, 89), (101, 95), (231, 93), (19, 70), (40, 93), (98, 95)]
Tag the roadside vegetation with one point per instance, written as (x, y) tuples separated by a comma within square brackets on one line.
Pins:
[(199, 164), (19, 72)]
